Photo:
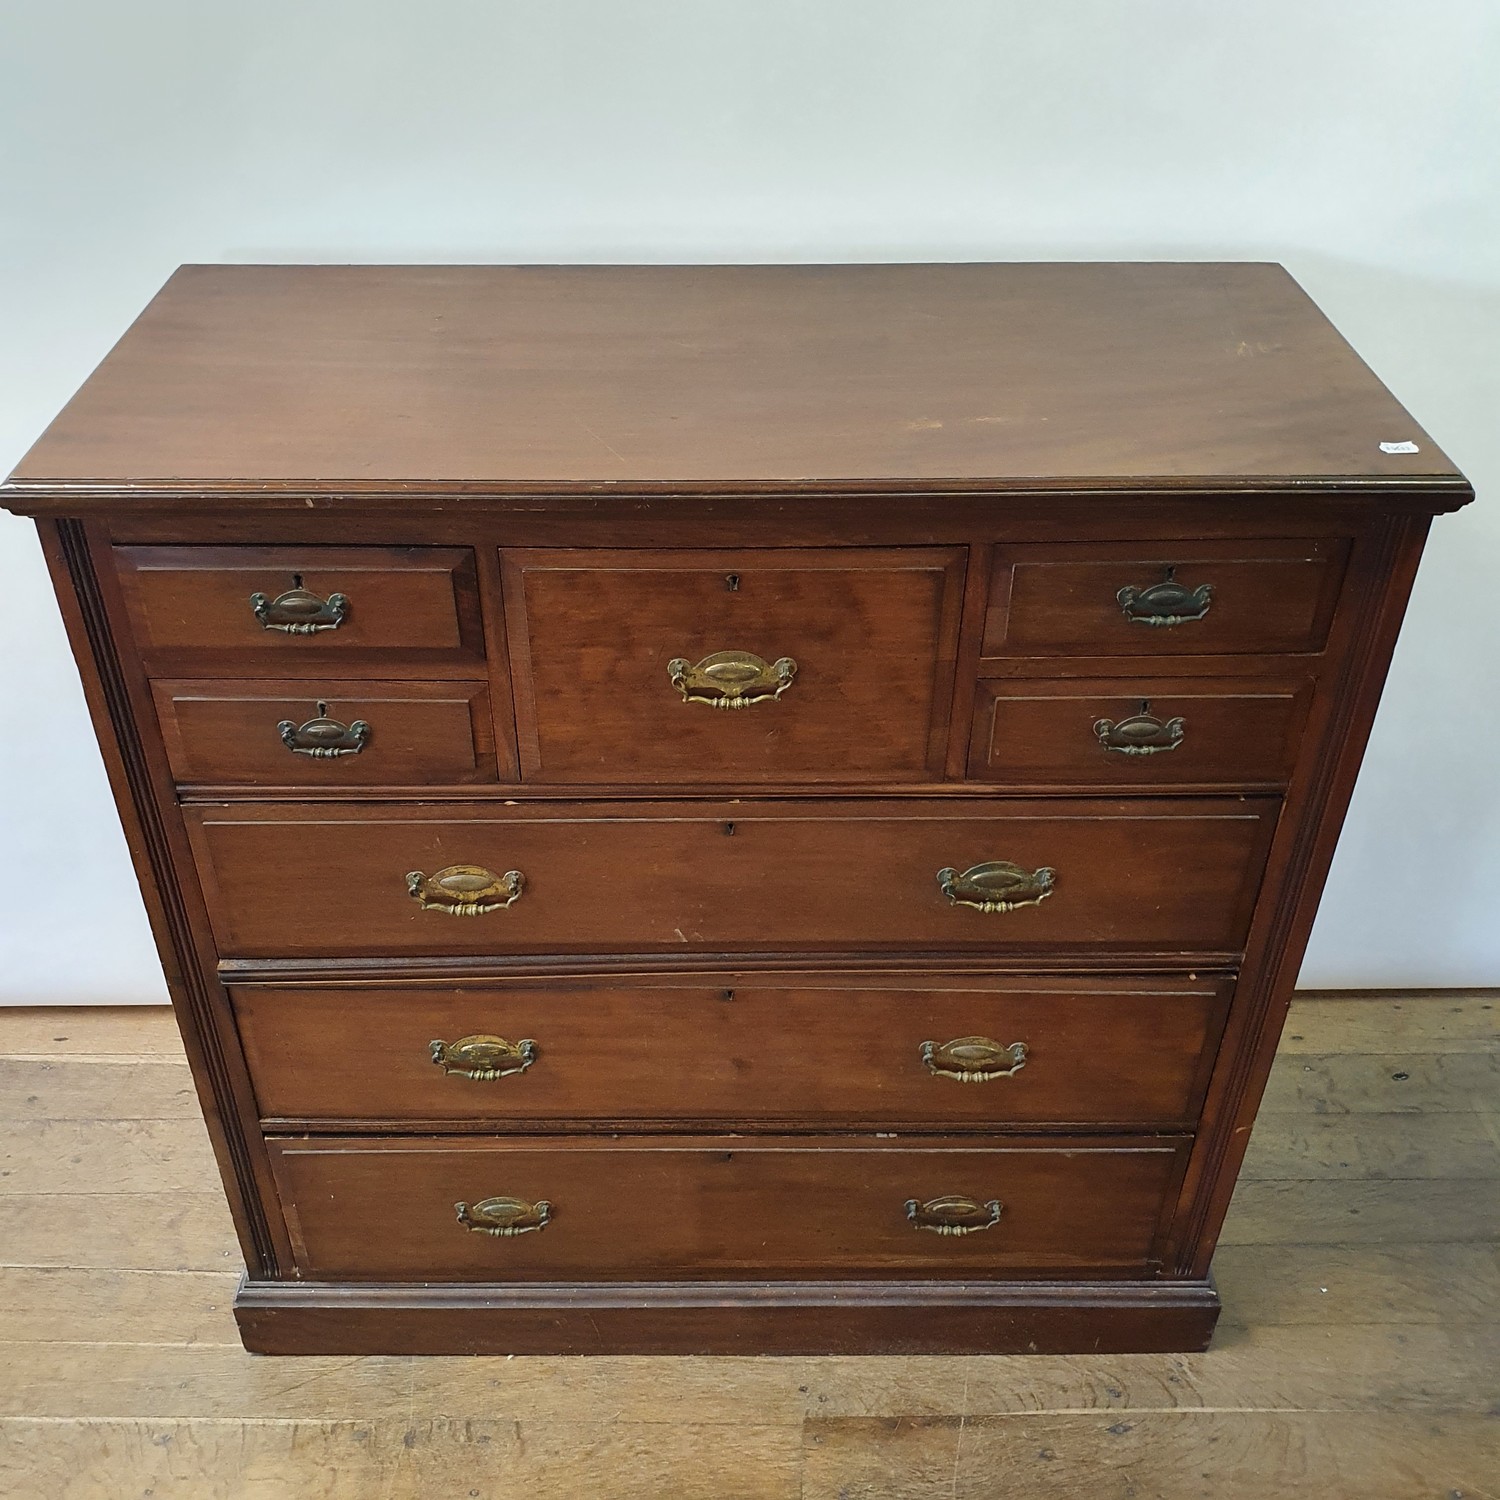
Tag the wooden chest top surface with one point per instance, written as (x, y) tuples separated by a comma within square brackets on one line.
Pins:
[(514, 379)]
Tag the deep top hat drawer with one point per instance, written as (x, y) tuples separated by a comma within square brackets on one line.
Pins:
[(734, 666)]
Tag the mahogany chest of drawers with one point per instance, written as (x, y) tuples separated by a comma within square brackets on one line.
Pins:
[(732, 809)]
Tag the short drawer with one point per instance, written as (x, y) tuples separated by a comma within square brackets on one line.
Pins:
[(817, 1048), (1163, 599), (387, 1208), (735, 666), (1150, 732), (1138, 876), (327, 734), (283, 611)]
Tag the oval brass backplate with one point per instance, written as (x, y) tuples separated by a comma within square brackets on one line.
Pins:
[(997, 886), (504, 1217), (1141, 734), (299, 611), (324, 738), (973, 1059), (465, 890), (1167, 603), (731, 679), (953, 1214), (483, 1057)]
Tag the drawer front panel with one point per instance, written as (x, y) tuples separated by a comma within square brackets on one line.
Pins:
[(857, 647), (829, 1206), (1139, 876), (820, 1049), (279, 610), (1163, 599), (1150, 732), (325, 733)]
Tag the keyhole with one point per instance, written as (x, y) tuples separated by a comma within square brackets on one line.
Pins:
[(296, 580), (322, 710), (1145, 705), (727, 995), (1171, 572), (732, 582), (728, 830)]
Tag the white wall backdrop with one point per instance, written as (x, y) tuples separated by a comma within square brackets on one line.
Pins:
[(1357, 141)]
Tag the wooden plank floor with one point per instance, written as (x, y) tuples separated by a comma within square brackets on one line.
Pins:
[(1359, 1357)]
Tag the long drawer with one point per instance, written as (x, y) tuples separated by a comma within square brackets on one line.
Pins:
[(1138, 876), (469, 1209), (824, 1049)]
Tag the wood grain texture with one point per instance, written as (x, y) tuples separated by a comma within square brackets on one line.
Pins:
[(288, 880), (729, 1317), (84, 1088), (194, 605), (92, 1305), (1384, 1082), (744, 1049), (1268, 597), (1320, 1211), (215, 1383), (46, 1032), (1177, 1456), (624, 1208), (396, 1459), (98, 1226), (1427, 1147), (581, 376), (1329, 1285), (868, 629), (82, 1156), (1353, 1367), (1232, 732), (416, 733), (1319, 1369), (1450, 1021)]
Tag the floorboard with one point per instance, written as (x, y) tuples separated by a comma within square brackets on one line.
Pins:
[(1181, 1455), (94, 1088)]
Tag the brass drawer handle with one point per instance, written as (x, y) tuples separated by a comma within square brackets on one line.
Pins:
[(504, 1217), (953, 1214), (731, 679), (483, 1057), (997, 886), (324, 738), (973, 1059), (1166, 603), (1140, 734), (299, 611), (465, 890)]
